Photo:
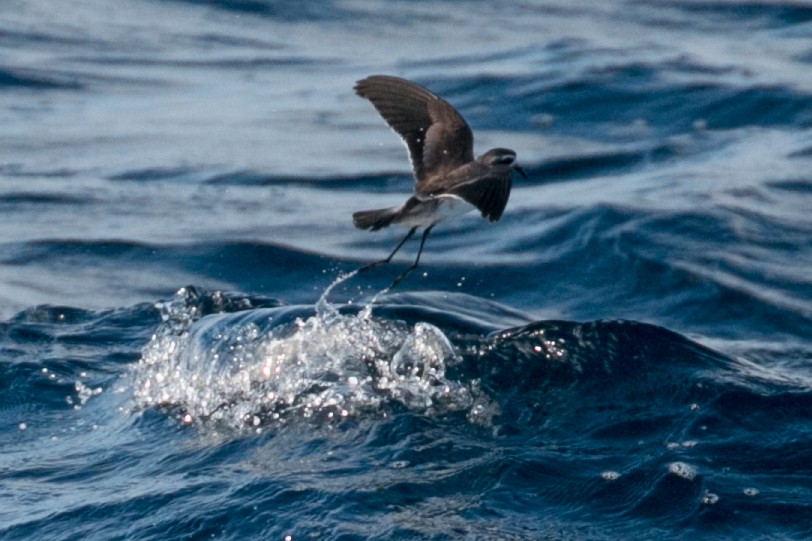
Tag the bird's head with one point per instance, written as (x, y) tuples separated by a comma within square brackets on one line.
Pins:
[(501, 157)]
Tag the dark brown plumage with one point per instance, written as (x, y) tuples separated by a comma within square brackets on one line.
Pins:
[(448, 180)]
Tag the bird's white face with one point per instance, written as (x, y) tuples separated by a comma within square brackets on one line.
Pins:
[(498, 156)]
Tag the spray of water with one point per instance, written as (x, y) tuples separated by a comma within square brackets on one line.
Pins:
[(258, 367)]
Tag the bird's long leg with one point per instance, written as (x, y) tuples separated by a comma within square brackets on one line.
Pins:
[(417, 259), (390, 256)]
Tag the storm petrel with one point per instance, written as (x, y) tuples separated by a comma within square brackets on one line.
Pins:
[(449, 182)]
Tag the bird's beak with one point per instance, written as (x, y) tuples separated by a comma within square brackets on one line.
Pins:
[(519, 170)]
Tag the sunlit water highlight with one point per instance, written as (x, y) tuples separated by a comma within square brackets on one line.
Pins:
[(248, 370)]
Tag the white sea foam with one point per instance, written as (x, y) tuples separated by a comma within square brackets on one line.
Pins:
[(247, 369)]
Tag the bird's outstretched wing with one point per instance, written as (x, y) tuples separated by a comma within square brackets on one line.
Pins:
[(438, 138), (488, 193)]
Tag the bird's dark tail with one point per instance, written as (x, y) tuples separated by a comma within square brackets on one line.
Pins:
[(375, 219)]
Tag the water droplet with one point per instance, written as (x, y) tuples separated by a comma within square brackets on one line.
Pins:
[(681, 469), (710, 498)]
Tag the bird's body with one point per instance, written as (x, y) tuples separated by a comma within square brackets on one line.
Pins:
[(416, 212), (448, 180)]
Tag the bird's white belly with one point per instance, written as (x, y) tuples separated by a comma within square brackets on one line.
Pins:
[(437, 209)]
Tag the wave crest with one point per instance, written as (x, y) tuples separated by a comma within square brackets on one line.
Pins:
[(254, 367)]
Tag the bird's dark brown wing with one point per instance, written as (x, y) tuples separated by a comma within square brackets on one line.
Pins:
[(438, 138), (488, 193)]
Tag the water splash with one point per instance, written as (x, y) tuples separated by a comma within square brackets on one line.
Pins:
[(323, 306), (252, 368)]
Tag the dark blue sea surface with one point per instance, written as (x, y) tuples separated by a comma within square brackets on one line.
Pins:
[(185, 352)]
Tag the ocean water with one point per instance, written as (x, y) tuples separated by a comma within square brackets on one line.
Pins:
[(185, 352)]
